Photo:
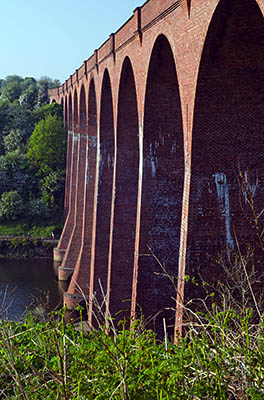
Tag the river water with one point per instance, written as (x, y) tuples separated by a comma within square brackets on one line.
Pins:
[(26, 284)]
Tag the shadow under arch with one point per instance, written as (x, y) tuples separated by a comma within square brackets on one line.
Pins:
[(82, 112), (78, 183), (228, 136), (66, 111), (163, 175), (75, 113), (125, 206), (82, 273), (68, 159), (105, 188), (70, 113)]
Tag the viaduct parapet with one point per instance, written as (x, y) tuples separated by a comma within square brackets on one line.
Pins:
[(165, 150)]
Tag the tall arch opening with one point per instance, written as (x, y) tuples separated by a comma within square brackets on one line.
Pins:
[(105, 187), (82, 272), (66, 112), (68, 161), (163, 174), (75, 242), (70, 112), (83, 121), (126, 193), (75, 113), (228, 138)]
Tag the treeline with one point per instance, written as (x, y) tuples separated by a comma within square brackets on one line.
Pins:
[(32, 153)]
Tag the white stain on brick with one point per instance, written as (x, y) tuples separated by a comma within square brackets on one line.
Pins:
[(223, 197)]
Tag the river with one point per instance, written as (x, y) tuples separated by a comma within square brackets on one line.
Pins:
[(26, 284)]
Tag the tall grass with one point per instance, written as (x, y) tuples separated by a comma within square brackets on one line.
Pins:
[(221, 356)]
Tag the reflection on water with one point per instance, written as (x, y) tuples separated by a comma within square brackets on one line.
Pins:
[(22, 281)]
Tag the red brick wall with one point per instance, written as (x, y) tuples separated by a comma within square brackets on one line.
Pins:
[(217, 89)]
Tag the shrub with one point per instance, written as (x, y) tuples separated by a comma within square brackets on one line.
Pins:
[(11, 206), (37, 209)]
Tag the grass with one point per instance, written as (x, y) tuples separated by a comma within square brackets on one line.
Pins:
[(220, 357), (34, 231)]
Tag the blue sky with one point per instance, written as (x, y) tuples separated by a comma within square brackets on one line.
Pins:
[(54, 37)]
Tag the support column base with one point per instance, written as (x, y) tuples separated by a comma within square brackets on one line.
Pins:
[(71, 301), (58, 254), (64, 273)]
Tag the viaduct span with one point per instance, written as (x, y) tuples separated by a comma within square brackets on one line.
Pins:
[(163, 121)]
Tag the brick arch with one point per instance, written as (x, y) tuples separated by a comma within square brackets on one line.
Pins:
[(71, 176), (261, 6), (82, 110), (105, 186), (227, 129), (163, 173), (126, 189), (83, 272), (79, 170), (68, 168)]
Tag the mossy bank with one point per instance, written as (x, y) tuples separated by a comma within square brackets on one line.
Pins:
[(26, 247)]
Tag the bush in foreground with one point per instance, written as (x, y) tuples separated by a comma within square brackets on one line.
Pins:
[(220, 357)]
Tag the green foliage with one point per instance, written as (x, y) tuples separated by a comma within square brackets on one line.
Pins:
[(11, 205), (34, 231), (37, 209), (11, 88), (23, 104), (19, 117), (25, 247), (52, 187), (15, 174), (13, 141), (55, 361), (47, 146), (28, 98), (27, 82), (46, 110)]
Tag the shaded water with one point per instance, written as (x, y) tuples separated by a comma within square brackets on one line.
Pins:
[(27, 283)]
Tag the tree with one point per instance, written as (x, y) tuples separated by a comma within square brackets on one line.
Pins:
[(43, 96), (13, 140), (52, 187), (52, 83), (47, 146), (29, 97), (44, 84), (15, 174), (11, 206), (28, 81), (48, 109), (11, 88)]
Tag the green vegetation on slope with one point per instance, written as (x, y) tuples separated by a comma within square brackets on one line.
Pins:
[(32, 155)]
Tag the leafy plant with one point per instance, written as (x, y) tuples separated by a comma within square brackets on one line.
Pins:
[(11, 205)]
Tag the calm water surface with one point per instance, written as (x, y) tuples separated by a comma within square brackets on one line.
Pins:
[(27, 284)]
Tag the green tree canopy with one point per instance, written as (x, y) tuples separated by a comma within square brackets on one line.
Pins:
[(28, 98), (11, 88), (15, 174), (11, 206), (47, 146), (48, 109)]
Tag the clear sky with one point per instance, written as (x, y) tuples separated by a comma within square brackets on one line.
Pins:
[(54, 37)]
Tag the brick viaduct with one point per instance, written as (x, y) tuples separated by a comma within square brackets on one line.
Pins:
[(162, 120)]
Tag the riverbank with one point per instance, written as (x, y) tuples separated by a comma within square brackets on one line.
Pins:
[(19, 247)]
